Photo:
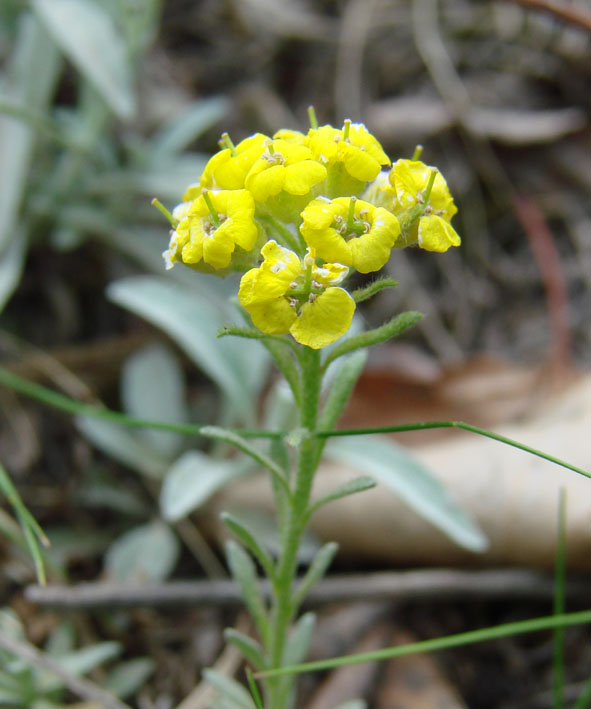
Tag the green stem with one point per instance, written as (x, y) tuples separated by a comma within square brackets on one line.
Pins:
[(283, 607), (285, 236)]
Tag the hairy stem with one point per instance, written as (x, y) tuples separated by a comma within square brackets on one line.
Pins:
[(278, 691)]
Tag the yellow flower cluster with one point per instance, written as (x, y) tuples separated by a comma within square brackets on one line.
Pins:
[(300, 212)]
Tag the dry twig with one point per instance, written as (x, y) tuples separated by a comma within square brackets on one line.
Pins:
[(391, 585), (567, 12)]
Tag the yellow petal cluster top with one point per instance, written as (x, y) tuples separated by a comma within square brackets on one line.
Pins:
[(290, 294), (284, 165), (212, 237), (432, 231), (353, 146), (228, 169), (350, 231), (321, 206)]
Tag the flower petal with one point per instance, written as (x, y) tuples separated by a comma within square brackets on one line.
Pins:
[(358, 163), (435, 234), (264, 181), (325, 319), (302, 176), (274, 317)]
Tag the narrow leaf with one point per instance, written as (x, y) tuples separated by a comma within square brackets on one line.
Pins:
[(393, 328), (414, 484), (285, 363), (12, 260), (364, 482), (128, 677), (186, 126), (315, 572), (123, 445), (223, 434), (244, 573), (230, 689), (193, 321), (29, 526), (193, 479), (79, 662), (341, 389), (299, 639), (153, 385), (143, 554), (254, 690), (251, 650), (28, 80), (362, 294), (248, 538), (88, 36)]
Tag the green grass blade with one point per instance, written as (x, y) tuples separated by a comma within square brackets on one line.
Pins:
[(471, 637), (559, 603), (79, 408), (424, 426), (31, 529), (584, 700)]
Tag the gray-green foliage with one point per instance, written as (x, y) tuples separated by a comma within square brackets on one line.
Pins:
[(68, 172), (413, 483), (25, 685)]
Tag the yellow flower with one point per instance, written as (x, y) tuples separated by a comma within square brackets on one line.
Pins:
[(350, 231), (288, 294), (291, 136), (433, 231), (380, 192), (354, 146), (228, 168), (284, 166), (210, 232)]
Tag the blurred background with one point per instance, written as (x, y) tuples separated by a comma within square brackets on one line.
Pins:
[(106, 104)]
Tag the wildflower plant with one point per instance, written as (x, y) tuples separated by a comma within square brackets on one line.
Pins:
[(297, 215)]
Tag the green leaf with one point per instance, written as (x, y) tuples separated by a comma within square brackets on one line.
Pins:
[(265, 526), (123, 446), (358, 484), (153, 386), (282, 356), (167, 180), (340, 391), (129, 676), (393, 328), (315, 572), (193, 479), (186, 126), (29, 81), (251, 650), (248, 538), (78, 662), (245, 574), (222, 434), (142, 554), (231, 690), (413, 483), (299, 639), (254, 690), (12, 260), (362, 294), (193, 321), (30, 528), (87, 35), (353, 704)]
